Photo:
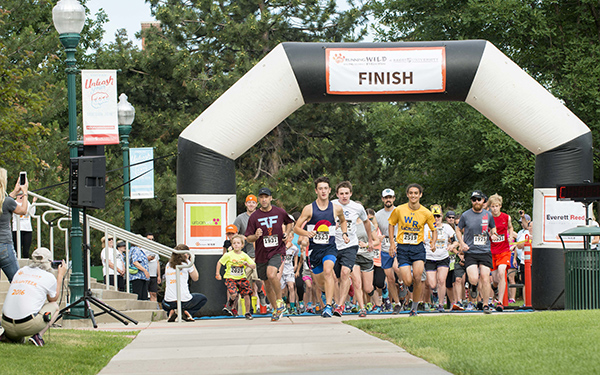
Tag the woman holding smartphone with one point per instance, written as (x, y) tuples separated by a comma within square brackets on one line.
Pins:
[(8, 258)]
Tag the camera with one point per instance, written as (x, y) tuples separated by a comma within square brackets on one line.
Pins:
[(22, 178), (56, 263)]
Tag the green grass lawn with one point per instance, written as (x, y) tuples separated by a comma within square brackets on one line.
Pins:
[(543, 342), (67, 351)]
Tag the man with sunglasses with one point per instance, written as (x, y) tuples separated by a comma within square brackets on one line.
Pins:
[(475, 230)]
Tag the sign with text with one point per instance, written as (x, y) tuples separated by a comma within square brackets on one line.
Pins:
[(205, 224), (99, 106), (364, 71), (559, 216), (141, 187)]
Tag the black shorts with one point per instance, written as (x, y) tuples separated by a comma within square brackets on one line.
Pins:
[(433, 265), (481, 259), (319, 255), (153, 286), (450, 279), (261, 268), (345, 258)]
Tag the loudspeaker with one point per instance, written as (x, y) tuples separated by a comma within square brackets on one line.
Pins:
[(86, 183)]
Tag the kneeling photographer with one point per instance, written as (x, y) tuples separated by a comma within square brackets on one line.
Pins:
[(30, 306)]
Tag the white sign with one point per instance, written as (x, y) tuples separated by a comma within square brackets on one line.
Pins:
[(142, 187), (99, 105), (559, 216), (385, 70)]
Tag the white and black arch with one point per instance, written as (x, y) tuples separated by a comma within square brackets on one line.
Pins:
[(476, 72)]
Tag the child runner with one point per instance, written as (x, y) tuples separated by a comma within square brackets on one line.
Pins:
[(288, 275)]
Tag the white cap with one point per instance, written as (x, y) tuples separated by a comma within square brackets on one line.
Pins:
[(388, 192)]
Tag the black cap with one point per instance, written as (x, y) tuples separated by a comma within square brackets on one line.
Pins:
[(120, 244), (477, 194), (450, 213), (264, 191)]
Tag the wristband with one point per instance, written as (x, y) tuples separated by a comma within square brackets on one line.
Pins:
[(346, 233)]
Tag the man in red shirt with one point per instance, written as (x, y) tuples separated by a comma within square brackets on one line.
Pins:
[(500, 247)]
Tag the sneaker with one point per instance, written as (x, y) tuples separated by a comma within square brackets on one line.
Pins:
[(386, 293), (280, 311), (339, 310), (369, 306), (387, 305), (457, 307), (397, 309), (293, 311), (327, 312), (487, 309), (377, 309), (225, 310), (473, 291), (354, 309), (249, 316), (234, 312), (36, 340), (274, 316), (362, 313), (479, 305), (499, 307), (413, 313), (310, 310), (511, 300), (440, 309), (470, 307)]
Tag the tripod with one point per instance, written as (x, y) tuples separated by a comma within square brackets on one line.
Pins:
[(88, 299)]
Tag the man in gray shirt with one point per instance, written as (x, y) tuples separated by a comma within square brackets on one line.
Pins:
[(475, 229)]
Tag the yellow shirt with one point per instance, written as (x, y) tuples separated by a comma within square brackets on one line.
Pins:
[(234, 264), (411, 223)]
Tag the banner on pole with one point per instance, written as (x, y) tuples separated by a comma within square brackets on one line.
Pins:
[(99, 106), (141, 187)]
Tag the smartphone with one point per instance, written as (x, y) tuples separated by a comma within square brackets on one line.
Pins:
[(22, 178), (56, 263)]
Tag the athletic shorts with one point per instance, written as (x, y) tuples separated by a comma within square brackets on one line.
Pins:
[(387, 261), (153, 285), (501, 258), (450, 279), (408, 254), (459, 271), (287, 278), (241, 285), (306, 274), (366, 264), (378, 277), (433, 265), (484, 259), (261, 268), (345, 258), (318, 256)]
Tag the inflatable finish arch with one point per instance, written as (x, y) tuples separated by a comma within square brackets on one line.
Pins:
[(293, 74)]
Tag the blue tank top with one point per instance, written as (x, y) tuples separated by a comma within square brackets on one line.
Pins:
[(322, 222)]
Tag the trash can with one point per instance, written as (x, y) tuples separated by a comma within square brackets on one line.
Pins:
[(582, 279)]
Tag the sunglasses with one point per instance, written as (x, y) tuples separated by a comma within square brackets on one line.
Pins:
[(476, 199), (449, 217), (436, 216)]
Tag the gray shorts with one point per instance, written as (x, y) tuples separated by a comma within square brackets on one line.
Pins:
[(459, 271), (261, 268), (345, 258), (366, 264)]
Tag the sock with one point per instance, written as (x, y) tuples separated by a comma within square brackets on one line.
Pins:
[(410, 288), (293, 305), (490, 301), (415, 305)]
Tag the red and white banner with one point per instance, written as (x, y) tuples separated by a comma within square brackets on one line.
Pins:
[(99, 105), (370, 71)]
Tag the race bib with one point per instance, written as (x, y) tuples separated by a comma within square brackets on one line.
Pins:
[(480, 239), (499, 238), (237, 271), (321, 238), (375, 253), (385, 241), (410, 238), (363, 249), (289, 259), (271, 241), (349, 225)]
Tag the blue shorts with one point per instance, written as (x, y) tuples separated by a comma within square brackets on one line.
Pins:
[(386, 260), (320, 255), (408, 254)]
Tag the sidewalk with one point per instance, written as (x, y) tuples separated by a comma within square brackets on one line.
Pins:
[(294, 345)]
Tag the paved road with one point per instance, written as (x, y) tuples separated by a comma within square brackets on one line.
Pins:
[(294, 345)]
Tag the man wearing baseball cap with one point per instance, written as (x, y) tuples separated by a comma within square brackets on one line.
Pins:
[(30, 306), (265, 230)]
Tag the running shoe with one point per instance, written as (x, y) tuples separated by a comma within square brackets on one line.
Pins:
[(499, 307), (234, 312), (473, 291), (249, 316), (354, 309), (338, 311), (387, 304), (310, 310), (362, 313), (36, 340), (397, 309), (327, 312), (479, 305), (457, 307), (377, 309), (173, 317), (413, 313), (225, 310), (487, 309), (511, 300), (386, 293), (440, 309), (470, 307), (369, 306)]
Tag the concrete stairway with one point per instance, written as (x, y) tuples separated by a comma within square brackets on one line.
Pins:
[(126, 303)]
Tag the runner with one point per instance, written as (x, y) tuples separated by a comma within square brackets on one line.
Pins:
[(388, 262), (411, 218), (288, 278), (320, 229), (347, 250), (475, 228), (265, 230), (364, 267), (438, 257), (500, 247)]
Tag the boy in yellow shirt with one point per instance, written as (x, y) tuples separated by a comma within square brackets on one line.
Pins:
[(235, 263)]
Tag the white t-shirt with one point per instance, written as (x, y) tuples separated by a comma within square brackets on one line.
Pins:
[(171, 280), (28, 292), (152, 264), (521, 237), (288, 264), (444, 236), (25, 220), (352, 211), (103, 255)]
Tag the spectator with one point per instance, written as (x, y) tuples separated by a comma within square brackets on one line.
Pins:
[(24, 226), (8, 258), (138, 273), (191, 303), (108, 263), (30, 306), (154, 270)]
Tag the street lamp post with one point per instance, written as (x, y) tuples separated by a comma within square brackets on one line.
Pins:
[(126, 114), (69, 17)]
